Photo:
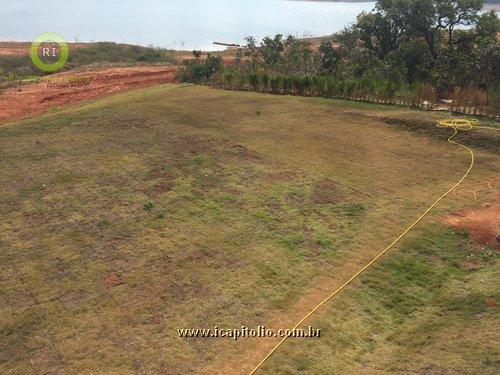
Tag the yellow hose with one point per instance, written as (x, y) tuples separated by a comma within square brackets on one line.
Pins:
[(456, 125)]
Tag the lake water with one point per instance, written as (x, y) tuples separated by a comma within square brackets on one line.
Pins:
[(179, 24)]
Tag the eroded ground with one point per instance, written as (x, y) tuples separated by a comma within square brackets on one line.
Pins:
[(482, 223)]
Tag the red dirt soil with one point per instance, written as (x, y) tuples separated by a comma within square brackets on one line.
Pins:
[(483, 224), (31, 99)]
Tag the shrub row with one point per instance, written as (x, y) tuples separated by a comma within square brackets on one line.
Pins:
[(468, 100)]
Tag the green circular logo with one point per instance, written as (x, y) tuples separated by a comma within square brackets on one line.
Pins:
[(58, 47)]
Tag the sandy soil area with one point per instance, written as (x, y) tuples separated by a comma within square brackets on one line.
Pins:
[(483, 224)]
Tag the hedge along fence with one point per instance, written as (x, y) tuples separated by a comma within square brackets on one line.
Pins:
[(468, 100)]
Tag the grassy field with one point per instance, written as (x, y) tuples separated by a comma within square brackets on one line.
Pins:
[(188, 207)]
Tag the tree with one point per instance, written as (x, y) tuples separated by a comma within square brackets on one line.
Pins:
[(213, 64), (381, 32), (396, 20), (329, 57), (486, 60), (306, 54), (428, 18), (410, 63), (253, 51), (397, 29), (291, 55), (197, 54), (473, 59), (271, 49), (488, 25), (239, 57), (453, 13)]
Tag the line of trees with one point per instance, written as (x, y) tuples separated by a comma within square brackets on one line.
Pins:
[(411, 52)]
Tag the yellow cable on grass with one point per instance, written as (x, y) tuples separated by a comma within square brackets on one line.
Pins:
[(456, 125)]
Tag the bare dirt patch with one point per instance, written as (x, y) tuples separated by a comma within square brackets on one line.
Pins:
[(27, 100), (483, 224), (491, 302), (112, 279), (245, 153), (327, 192)]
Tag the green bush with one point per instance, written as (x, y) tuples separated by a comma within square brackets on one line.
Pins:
[(254, 81), (265, 81), (276, 83), (199, 71), (148, 206)]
